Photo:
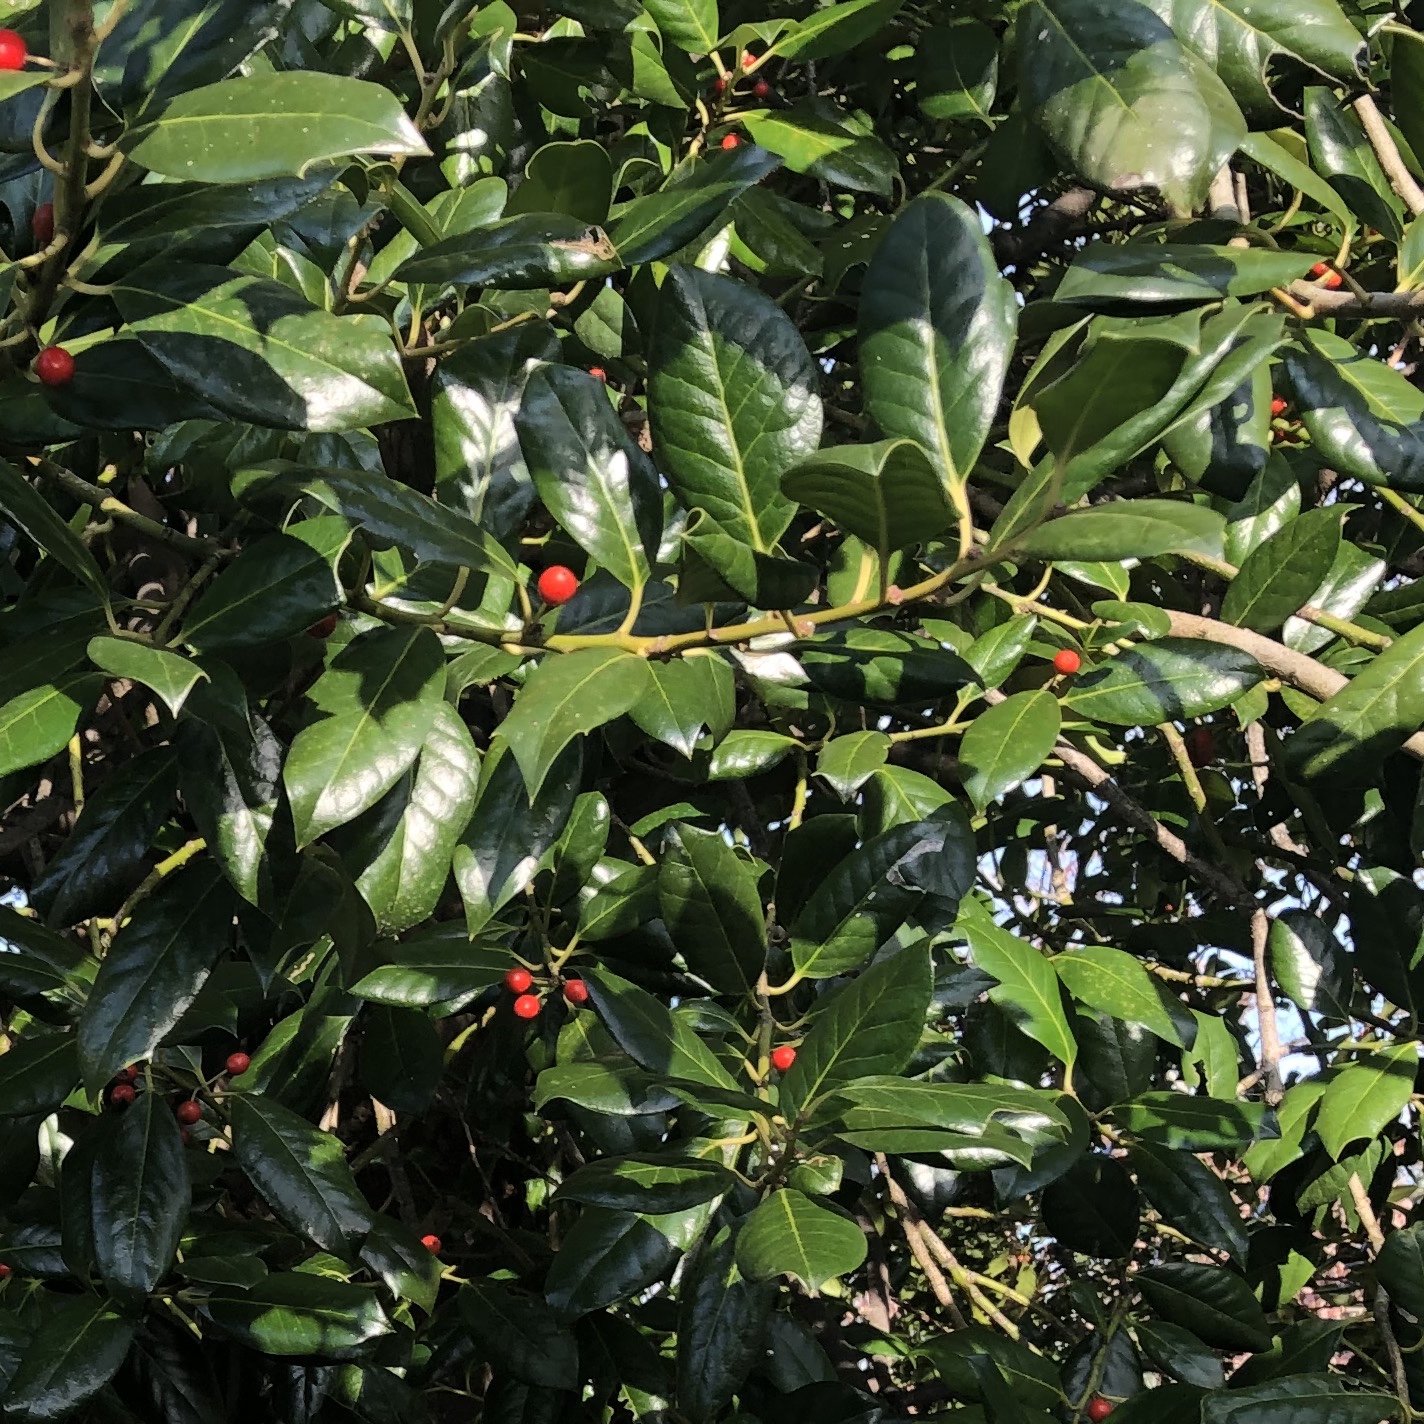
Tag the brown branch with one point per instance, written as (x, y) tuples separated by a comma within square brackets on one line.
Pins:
[(1270, 1063), (1387, 151), (1314, 678), (917, 1236), (120, 512), (1380, 1305), (1047, 227)]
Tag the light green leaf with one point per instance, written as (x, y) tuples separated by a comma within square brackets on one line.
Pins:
[(789, 1234), (1007, 743)]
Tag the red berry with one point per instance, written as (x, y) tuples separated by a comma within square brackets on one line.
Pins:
[(526, 1006), (4, 1270), (431, 1244), (782, 1058), (517, 980), (323, 627), (1319, 270), (1279, 405), (42, 224), (1201, 746), (184, 1136), (719, 85), (731, 141), (558, 584), (238, 1064), (598, 373), (54, 365), (13, 50), (126, 1075), (576, 991), (1333, 280), (748, 59), (188, 1113), (121, 1095), (761, 89), (1099, 1408), (1066, 661)]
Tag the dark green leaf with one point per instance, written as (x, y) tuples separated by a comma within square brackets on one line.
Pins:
[(1196, 1124), (1279, 575), (1212, 1302), (1363, 1099), (684, 696), (811, 141), (1319, 1398), (608, 1256), (1128, 529), (647, 1185), (1171, 680), (79, 1350), (299, 1314), (519, 1333), (1092, 1208), (518, 253), (1111, 277), (791, 1235), (37, 1073), (1115, 983), (710, 905)]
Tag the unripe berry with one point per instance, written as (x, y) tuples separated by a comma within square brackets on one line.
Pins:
[(54, 366), (517, 980), (431, 1244), (238, 1064), (188, 1113), (782, 1058), (1066, 661), (526, 1006), (121, 1095), (731, 141), (1099, 1408), (42, 224), (323, 627), (576, 991), (557, 584), (13, 50)]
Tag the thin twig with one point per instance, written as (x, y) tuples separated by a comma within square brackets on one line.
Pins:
[(1266, 1009), (1387, 151)]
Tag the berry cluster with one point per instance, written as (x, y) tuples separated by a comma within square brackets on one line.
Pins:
[(520, 982)]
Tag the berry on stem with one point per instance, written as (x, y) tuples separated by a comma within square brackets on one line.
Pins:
[(1099, 1408), (598, 373), (431, 1244), (557, 584), (54, 366), (731, 141), (576, 991), (518, 980), (238, 1064), (1201, 747), (13, 50), (42, 224), (748, 59), (188, 1113), (1066, 661), (323, 627), (782, 1058), (719, 85), (126, 1075), (761, 89), (1279, 405), (1319, 270), (1333, 280), (121, 1095), (4, 1270), (526, 1006)]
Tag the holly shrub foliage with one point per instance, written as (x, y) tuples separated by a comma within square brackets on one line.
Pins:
[(981, 457)]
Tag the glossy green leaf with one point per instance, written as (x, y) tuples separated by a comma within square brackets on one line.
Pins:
[(1341, 153), (1115, 983), (722, 1321), (80, 1349), (710, 905), (1136, 529), (608, 1256), (169, 675), (589, 474), (519, 1333), (873, 1025), (692, 25), (404, 879), (1093, 1209), (299, 1314), (1191, 1197), (733, 401), (573, 178), (301, 1172), (1369, 718), (153, 971), (836, 29), (402, 1058), (1113, 277), (1027, 989), (791, 1235), (1309, 963), (1125, 103), (140, 1194), (1320, 1398), (937, 325), (258, 352), (1269, 504), (270, 125), (276, 588), (433, 968), (684, 696), (517, 253), (812, 142), (848, 762), (1279, 575), (863, 899), (566, 697), (647, 1184), (1364, 1098), (376, 706), (957, 73), (37, 1073), (1007, 743), (887, 494), (27, 509), (1212, 1302), (1170, 680), (1196, 1124)]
